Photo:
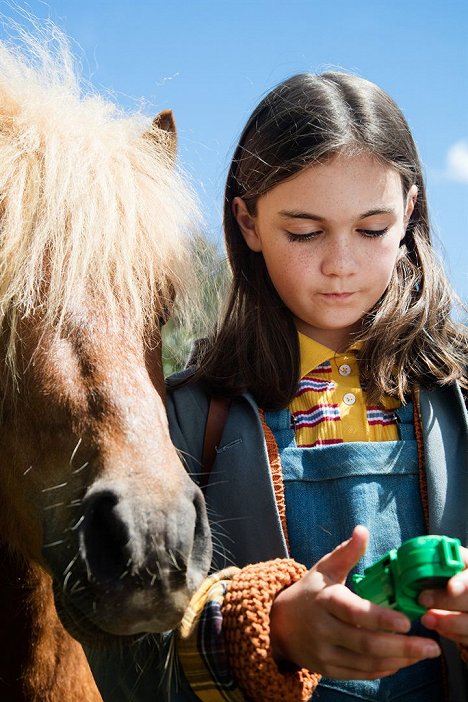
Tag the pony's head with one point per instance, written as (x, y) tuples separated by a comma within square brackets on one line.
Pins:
[(94, 246)]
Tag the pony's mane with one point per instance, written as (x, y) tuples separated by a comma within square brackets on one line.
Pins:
[(86, 202)]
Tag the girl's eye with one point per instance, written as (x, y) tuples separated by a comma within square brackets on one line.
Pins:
[(373, 233), (302, 237)]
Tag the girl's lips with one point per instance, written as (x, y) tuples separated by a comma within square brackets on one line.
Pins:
[(337, 296)]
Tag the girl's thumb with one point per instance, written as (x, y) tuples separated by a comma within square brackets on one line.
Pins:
[(337, 564)]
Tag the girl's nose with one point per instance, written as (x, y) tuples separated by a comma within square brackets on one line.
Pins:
[(338, 257)]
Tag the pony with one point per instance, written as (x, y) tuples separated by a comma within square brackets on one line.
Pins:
[(101, 528)]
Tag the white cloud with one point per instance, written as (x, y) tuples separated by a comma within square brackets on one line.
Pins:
[(457, 162)]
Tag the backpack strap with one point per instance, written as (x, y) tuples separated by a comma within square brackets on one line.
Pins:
[(218, 411)]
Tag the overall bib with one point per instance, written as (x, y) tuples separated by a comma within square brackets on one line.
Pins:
[(328, 491)]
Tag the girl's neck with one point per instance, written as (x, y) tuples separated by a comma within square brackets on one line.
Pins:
[(338, 340)]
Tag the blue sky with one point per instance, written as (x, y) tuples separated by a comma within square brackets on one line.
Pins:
[(211, 61)]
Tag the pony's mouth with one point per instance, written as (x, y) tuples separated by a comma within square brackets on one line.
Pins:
[(80, 626), (129, 577), (112, 629)]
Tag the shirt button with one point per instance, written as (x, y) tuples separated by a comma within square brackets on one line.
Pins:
[(344, 369), (349, 398)]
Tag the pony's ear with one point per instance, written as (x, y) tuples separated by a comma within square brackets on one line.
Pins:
[(164, 122)]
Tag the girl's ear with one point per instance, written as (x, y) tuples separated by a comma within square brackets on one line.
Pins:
[(246, 224), (410, 204)]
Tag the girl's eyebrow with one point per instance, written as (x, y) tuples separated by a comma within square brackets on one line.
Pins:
[(378, 211), (299, 214)]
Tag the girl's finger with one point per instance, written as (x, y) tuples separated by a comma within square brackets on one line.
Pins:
[(452, 625), (382, 646), (464, 553), (364, 665), (454, 597), (352, 609), (337, 564)]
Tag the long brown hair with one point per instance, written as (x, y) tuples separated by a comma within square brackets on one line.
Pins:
[(409, 336)]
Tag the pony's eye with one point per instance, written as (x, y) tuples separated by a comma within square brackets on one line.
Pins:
[(373, 233), (302, 237)]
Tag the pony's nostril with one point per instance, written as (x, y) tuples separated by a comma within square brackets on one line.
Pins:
[(104, 538), (201, 522), (200, 557)]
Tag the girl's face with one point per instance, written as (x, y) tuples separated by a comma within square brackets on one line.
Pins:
[(330, 238)]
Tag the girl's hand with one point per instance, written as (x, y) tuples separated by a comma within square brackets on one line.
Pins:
[(320, 624), (448, 613)]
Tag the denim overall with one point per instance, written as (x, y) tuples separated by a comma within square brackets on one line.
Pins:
[(328, 490)]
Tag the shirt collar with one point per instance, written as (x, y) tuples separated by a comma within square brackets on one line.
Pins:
[(312, 354)]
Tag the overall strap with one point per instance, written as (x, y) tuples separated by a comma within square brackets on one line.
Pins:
[(218, 411)]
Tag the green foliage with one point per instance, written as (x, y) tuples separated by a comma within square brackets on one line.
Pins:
[(212, 275)]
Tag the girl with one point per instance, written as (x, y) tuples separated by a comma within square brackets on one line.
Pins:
[(341, 375)]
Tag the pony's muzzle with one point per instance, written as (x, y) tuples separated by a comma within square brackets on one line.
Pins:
[(141, 563)]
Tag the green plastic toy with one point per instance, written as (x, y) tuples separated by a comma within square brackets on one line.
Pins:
[(397, 579)]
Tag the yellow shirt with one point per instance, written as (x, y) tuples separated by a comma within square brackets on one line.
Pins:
[(330, 404)]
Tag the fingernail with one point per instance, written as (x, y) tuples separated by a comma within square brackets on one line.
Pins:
[(426, 599), (429, 621), (457, 587), (400, 624), (431, 651)]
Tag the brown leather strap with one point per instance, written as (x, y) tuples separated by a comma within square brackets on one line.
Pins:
[(217, 415), (418, 433)]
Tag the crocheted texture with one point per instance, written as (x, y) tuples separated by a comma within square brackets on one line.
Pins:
[(246, 625), (276, 474)]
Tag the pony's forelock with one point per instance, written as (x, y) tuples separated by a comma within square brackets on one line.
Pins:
[(86, 202)]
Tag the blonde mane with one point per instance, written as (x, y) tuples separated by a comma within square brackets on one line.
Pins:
[(86, 203)]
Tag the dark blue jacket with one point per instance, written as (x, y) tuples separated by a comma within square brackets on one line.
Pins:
[(241, 498)]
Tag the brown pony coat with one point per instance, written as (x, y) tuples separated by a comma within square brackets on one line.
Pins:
[(39, 660), (93, 495)]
